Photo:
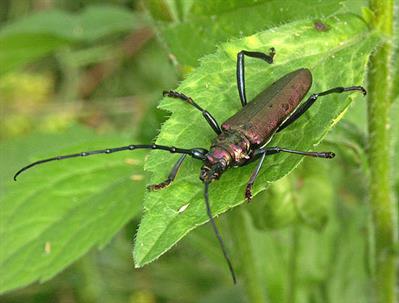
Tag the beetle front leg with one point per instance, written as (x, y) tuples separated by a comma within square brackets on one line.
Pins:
[(171, 177), (208, 117), (240, 72), (312, 99)]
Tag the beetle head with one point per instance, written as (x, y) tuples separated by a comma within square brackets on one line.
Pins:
[(208, 174), (216, 162)]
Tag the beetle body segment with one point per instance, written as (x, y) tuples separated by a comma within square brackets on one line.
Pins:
[(260, 118)]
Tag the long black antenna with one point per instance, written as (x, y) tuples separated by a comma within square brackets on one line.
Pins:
[(215, 229), (197, 153)]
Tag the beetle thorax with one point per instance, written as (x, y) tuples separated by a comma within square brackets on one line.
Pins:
[(235, 143), (229, 149)]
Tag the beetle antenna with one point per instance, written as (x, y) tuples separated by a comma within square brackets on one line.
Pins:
[(217, 233), (197, 153)]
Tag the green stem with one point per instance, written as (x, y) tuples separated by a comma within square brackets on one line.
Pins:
[(90, 291), (381, 202), (293, 264), (70, 73), (243, 252)]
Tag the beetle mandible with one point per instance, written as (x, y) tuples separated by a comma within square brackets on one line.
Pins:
[(242, 138)]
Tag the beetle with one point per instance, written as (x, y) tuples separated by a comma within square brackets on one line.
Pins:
[(242, 138)]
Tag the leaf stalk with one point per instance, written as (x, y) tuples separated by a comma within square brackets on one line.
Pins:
[(248, 270)]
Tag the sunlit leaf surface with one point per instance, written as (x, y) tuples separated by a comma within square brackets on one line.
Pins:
[(55, 213), (194, 29)]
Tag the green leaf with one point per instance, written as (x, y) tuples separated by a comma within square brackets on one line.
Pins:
[(300, 264), (208, 23), (336, 57), (103, 20), (20, 49), (51, 22), (304, 197), (37, 35), (350, 142), (93, 23), (56, 212), (275, 208)]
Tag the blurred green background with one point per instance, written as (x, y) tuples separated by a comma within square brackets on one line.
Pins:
[(90, 73)]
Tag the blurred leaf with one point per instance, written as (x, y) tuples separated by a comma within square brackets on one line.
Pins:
[(159, 9), (350, 142), (223, 295), (148, 72), (314, 194), (39, 34), (20, 150), (333, 56), (301, 264), (101, 21), (304, 197), (276, 207), (92, 55), (331, 264), (92, 23), (57, 212), (170, 10), (19, 49), (50, 22), (208, 23)]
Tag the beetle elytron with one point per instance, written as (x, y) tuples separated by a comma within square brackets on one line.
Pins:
[(243, 137)]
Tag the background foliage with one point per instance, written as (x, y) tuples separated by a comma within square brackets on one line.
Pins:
[(79, 75)]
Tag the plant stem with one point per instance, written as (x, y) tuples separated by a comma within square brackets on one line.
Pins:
[(248, 269), (381, 202), (293, 264)]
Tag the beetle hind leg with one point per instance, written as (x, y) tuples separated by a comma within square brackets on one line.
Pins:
[(312, 99)]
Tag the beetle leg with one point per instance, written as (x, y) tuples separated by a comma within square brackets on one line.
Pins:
[(208, 117), (261, 153), (240, 72), (248, 190), (276, 149), (171, 177), (309, 102)]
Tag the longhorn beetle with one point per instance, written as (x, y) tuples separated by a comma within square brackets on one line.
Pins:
[(242, 138)]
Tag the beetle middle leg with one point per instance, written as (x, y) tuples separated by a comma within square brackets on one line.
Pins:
[(248, 189), (208, 117), (261, 153), (171, 177), (312, 99), (240, 71)]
